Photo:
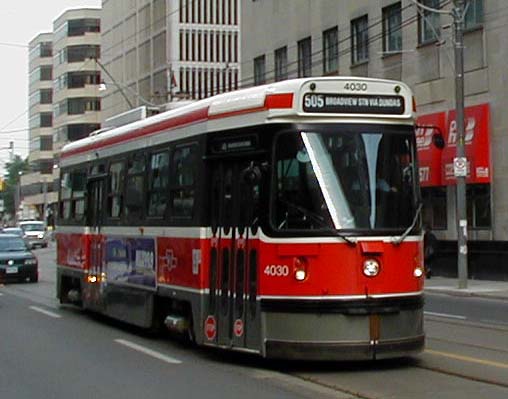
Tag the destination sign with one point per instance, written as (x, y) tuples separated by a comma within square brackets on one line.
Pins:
[(353, 104)]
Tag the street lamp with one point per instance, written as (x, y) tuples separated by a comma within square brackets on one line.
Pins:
[(17, 196)]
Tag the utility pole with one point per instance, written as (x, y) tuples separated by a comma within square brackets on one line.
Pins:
[(45, 199), (460, 161)]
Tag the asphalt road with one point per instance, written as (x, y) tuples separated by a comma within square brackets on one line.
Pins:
[(48, 351)]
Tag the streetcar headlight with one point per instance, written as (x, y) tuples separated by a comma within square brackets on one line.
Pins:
[(371, 267), (418, 272), (300, 269), (300, 275)]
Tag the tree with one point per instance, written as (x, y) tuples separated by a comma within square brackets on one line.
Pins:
[(14, 170)]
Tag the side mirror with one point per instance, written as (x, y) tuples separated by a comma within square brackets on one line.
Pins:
[(438, 140), (437, 135)]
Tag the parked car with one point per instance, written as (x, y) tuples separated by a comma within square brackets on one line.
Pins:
[(17, 262), (35, 233)]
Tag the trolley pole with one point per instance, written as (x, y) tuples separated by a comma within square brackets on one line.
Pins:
[(460, 161)]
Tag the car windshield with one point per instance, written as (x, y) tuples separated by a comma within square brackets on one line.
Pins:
[(347, 177), (12, 244), (13, 230), (32, 227)]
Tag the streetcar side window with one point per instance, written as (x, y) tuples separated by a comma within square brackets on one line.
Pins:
[(134, 188), (72, 195), (158, 184), (115, 196), (182, 184), (65, 196), (78, 181)]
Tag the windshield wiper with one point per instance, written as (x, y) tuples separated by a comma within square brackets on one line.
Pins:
[(398, 240), (315, 217)]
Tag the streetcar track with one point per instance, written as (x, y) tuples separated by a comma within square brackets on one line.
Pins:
[(415, 365), (463, 375), (467, 323), (467, 344), (334, 387)]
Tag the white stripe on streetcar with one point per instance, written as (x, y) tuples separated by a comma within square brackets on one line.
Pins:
[(46, 312), (450, 316), (147, 351)]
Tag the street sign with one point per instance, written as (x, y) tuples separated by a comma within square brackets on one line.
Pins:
[(460, 166)]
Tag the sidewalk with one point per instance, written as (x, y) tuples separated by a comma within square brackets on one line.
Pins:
[(477, 288)]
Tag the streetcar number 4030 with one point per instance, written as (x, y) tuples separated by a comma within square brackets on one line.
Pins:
[(276, 270), (355, 86)]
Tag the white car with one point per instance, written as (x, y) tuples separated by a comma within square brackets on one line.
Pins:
[(34, 233)]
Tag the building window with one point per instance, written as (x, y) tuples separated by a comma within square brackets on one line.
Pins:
[(46, 119), (434, 207), (77, 131), (81, 105), (46, 143), (46, 72), (478, 206), (305, 57), (474, 14), (429, 29), (281, 64), (331, 51), (78, 27), (392, 28), (81, 52), (259, 70), (46, 49), (360, 40), (80, 79), (46, 96)]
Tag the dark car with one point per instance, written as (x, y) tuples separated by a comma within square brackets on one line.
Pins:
[(17, 262)]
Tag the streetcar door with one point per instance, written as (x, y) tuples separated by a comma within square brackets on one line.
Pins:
[(95, 202), (233, 216)]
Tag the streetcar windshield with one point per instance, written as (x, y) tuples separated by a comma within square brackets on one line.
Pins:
[(346, 177)]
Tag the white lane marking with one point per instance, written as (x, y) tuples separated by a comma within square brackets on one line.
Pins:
[(147, 351), (450, 316), (46, 312), (1, 294)]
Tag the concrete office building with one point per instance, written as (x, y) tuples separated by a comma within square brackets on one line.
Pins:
[(393, 39), (64, 100), (155, 52), (40, 122)]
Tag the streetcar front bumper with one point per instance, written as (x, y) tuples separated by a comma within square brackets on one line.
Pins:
[(343, 330)]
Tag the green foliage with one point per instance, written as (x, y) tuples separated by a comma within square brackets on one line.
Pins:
[(13, 173)]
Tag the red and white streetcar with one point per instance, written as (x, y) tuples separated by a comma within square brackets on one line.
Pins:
[(282, 220)]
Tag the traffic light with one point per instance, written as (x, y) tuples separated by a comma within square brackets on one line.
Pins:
[(2, 184)]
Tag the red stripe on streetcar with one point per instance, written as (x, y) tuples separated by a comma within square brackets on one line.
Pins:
[(283, 100)]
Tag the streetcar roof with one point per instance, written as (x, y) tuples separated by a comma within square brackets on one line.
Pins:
[(245, 107)]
